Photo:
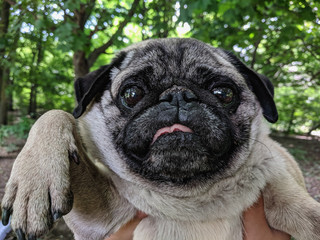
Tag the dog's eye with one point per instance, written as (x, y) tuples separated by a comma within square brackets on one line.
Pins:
[(225, 95), (131, 96)]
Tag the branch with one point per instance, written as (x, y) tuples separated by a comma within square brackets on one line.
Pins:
[(314, 127), (314, 75), (88, 10), (308, 50), (12, 3), (82, 15), (254, 55), (93, 56), (96, 28), (66, 15)]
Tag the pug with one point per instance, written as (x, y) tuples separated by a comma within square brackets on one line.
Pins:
[(171, 127)]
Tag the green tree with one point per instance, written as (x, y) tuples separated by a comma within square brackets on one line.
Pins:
[(47, 44), (4, 25), (85, 30), (84, 21), (277, 38)]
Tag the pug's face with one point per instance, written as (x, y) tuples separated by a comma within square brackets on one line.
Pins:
[(173, 111)]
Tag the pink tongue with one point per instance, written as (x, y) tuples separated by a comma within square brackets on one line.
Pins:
[(173, 128)]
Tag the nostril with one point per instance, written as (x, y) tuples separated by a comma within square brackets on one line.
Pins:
[(166, 97), (178, 97), (189, 96)]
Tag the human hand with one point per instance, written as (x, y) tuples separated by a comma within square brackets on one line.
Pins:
[(254, 220), (126, 231), (256, 226)]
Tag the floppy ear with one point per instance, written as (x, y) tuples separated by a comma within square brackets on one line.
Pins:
[(87, 87), (261, 87)]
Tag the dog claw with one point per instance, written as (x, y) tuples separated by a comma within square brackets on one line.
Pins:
[(5, 216), (57, 215), (20, 234), (32, 237), (75, 157)]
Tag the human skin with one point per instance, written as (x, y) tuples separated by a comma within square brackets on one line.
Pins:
[(254, 220), (256, 226), (126, 231)]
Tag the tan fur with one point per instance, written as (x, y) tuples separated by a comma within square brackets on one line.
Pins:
[(107, 194), (288, 206)]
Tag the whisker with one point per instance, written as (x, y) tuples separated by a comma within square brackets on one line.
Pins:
[(263, 144)]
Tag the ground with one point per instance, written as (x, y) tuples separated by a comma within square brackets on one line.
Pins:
[(305, 149)]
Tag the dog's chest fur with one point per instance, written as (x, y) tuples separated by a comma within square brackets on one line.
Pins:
[(157, 229), (214, 214)]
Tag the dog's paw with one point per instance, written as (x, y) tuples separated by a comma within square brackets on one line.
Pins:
[(38, 191)]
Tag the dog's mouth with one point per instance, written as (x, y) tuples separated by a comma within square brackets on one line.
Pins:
[(174, 153), (168, 130), (177, 152)]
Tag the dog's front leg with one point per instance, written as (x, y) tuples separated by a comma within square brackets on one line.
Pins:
[(289, 208), (38, 191), (98, 209)]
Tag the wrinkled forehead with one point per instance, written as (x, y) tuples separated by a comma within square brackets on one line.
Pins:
[(171, 59)]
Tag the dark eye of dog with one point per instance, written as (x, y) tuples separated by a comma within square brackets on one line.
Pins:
[(130, 96), (224, 94)]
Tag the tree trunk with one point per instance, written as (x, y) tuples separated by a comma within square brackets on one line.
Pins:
[(12, 55), (34, 78), (80, 64), (10, 95), (291, 121), (314, 127), (4, 24), (93, 56), (83, 63), (254, 55), (3, 99), (33, 100)]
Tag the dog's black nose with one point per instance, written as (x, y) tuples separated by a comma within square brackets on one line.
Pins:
[(178, 96)]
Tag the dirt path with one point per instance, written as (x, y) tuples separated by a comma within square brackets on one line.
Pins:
[(306, 151), (5, 169)]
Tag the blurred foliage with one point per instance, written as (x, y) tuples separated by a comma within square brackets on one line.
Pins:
[(299, 108), (280, 39), (47, 42), (19, 130), (299, 154)]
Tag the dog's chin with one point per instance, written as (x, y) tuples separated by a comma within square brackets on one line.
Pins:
[(179, 158)]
